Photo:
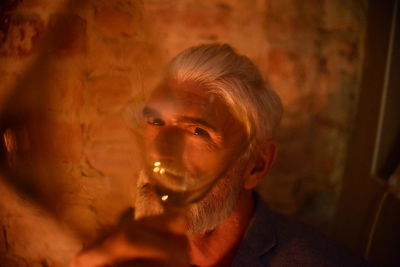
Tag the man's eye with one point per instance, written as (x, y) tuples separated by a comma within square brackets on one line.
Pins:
[(155, 121), (201, 132)]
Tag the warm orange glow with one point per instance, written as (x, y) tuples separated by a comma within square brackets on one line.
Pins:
[(10, 140)]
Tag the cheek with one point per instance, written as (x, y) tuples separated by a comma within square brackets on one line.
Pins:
[(197, 155), (149, 134), (202, 157)]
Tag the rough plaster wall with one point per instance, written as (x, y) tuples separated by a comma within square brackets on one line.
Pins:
[(311, 53), (93, 74), (309, 50), (314, 61)]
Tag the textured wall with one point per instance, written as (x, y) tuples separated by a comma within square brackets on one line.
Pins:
[(111, 50)]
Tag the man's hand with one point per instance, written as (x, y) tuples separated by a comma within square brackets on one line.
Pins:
[(158, 239)]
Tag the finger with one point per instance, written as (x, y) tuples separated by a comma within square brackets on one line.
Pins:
[(92, 258), (173, 222), (148, 263), (145, 243), (136, 243)]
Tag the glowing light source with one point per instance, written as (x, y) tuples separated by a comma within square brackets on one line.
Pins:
[(156, 169), (157, 163), (10, 140), (164, 197)]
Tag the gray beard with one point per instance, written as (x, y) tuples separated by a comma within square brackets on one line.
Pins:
[(208, 213)]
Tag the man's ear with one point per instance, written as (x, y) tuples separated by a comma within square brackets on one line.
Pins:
[(259, 164)]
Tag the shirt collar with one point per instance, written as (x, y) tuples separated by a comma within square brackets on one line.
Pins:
[(259, 237)]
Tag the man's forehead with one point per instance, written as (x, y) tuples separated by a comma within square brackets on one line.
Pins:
[(193, 103), (172, 87), (176, 100), (184, 94)]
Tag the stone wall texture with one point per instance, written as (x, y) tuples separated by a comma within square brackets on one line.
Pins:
[(105, 53)]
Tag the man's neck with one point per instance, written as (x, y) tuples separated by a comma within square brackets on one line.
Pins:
[(218, 247)]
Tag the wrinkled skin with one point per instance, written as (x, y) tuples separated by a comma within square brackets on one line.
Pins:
[(185, 124)]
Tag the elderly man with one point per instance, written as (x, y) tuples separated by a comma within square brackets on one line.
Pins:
[(214, 114)]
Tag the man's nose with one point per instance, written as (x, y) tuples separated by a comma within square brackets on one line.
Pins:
[(169, 143)]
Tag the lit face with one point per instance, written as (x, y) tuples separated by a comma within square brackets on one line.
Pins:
[(191, 131), (194, 129)]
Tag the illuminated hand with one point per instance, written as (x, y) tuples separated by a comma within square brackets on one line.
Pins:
[(159, 239)]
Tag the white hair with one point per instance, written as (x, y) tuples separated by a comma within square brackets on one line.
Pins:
[(218, 69), (236, 80)]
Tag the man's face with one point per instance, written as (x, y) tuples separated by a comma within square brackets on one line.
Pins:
[(191, 132), (194, 131)]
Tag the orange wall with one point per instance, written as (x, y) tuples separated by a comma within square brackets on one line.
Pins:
[(310, 51)]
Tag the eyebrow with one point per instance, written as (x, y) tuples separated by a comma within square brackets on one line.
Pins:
[(199, 121), (150, 112), (147, 111)]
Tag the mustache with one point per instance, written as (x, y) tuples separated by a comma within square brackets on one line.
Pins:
[(144, 186)]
